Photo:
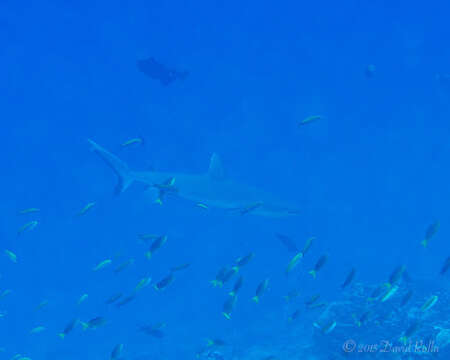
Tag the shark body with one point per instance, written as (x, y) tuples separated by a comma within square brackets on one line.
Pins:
[(212, 189)]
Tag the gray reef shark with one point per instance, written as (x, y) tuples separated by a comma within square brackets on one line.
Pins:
[(211, 189)]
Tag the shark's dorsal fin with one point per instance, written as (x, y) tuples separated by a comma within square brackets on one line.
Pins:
[(216, 170)]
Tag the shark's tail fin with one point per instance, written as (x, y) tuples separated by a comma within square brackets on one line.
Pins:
[(121, 169)]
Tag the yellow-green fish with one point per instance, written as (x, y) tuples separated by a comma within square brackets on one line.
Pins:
[(82, 298), (42, 304), (391, 291), (237, 286), (413, 328), (349, 278), (294, 315), (93, 323), (215, 342), (377, 291), (167, 187), (310, 119), (126, 300), (143, 283), (133, 141), (5, 293), (88, 207), (156, 244), (242, 261), (430, 232), (29, 211), (113, 298), (123, 265), (327, 327), (319, 264), (11, 255), (312, 300), (69, 327), (262, 287), (203, 206), (37, 330), (429, 303), (162, 284), (27, 227), (318, 305), (219, 280), (228, 306), (294, 261), (103, 264), (117, 351), (293, 294), (396, 275), (308, 244), (406, 298), (180, 267), (362, 319)]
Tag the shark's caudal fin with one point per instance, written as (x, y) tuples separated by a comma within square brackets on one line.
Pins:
[(121, 169)]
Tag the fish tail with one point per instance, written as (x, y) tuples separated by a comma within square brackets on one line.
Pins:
[(148, 254), (424, 243), (255, 298), (84, 325), (62, 335), (124, 174), (227, 315), (158, 201), (313, 273), (235, 268), (232, 293), (403, 340), (209, 342)]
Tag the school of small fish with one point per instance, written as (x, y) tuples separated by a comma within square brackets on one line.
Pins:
[(394, 288)]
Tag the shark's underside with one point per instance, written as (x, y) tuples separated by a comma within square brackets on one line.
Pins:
[(212, 189)]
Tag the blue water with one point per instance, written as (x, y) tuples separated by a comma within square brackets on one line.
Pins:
[(369, 177)]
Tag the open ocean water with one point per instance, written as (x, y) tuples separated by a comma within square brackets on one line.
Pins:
[(224, 180)]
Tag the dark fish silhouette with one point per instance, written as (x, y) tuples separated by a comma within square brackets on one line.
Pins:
[(157, 71), (349, 278), (154, 331), (406, 298), (446, 266), (290, 245)]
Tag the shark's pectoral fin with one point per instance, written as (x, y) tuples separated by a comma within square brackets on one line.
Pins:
[(123, 182), (216, 170)]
